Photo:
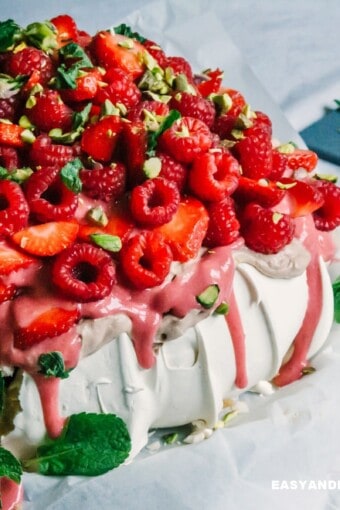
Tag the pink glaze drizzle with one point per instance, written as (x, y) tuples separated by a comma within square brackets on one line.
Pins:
[(48, 388), (11, 493), (235, 326)]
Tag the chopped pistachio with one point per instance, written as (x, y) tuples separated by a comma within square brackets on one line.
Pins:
[(170, 438), (326, 177), (277, 217), (222, 308), (27, 136), (127, 43), (31, 101), (208, 297), (222, 101), (150, 62), (308, 370), (229, 416), (243, 122), (158, 97), (237, 133), (287, 148), (107, 241), (284, 185), (152, 167), (97, 216), (25, 122)]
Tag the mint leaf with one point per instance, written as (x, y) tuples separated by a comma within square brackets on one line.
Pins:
[(2, 393), (66, 77), (52, 365), (80, 118), (10, 33), (336, 292), (75, 54), (124, 29), (90, 444), (107, 241), (9, 466), (154, 135), (70, 175)]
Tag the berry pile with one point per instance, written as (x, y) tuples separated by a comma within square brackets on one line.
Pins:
[(116, 160)]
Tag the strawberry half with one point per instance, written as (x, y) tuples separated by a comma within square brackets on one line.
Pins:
[(187, 229), (66, 29), (99, 140), (47, 239), (302, 198), (10, 134), (49, 324), (7, 292), (12, 260), (261, 191)]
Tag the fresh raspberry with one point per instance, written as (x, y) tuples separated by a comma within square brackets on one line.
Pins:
[(156, 52), (156, 108), (48, 197), (13, 208), (145, 259), (99, 140), (84, 272), (9, 108), (7, 291), (180, 66), (279, 165), (154, 202), (238, 101), (327, 217), (302, 158), (106, 183), (223, 227), (9, 157), (172, 170), (262, 191), (49, 112), (197, 107), (28, 60), (185, 139), (45, 153), (223, 126), (264, 230), (120, 89), (213, 175)]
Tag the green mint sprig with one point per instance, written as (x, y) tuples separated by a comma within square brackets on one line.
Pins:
[(70, 175), (10, 33), (9, 466), (336, 292), (154, 135), (124, 29), (52, 365)]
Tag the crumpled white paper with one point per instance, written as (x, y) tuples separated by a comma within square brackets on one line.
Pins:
[(290, 435)]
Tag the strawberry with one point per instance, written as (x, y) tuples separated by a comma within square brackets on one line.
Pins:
[(47, 239), (99, 140), (211, 84), (134, 141), (302, 197), (197, 107), (12, 260), (187, 229), (49, 112), (66, 29), (10, 134), (238, 101), (213, 176), (120, 89), (119, 224), (115, 50), (49, 324), (29, 60), (7, 292), (145, 259), (327, 217), (302, 158), (143, 108), (261, 191), (14, 209), (86, 87), (185, 139)]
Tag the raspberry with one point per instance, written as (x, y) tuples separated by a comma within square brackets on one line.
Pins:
[(194, 106), (223, 227), (145, 259), (9, 107), (154, 202), (120, 89), (137, 113), (327, 217), (156, 52), (172, 170), (238, 101), (48, 197), (49, 112), (106, 183), (185, 139), (29, 60), (279, 165), (13, 208), (7, 292), (223, 126), (84, 272), (9, 157), (213, 175), (264, 230), (180, 66), (44, 153)]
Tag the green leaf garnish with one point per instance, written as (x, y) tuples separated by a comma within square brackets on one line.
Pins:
[(11, 86), (336, 292), (80, 118), (52, 365), (9, 466), (75, 58), (42, 35), (124, 29), (208, 297), (90, 444), (66, 77), (76, 55), (107, 241), (154, 135), (70, 175), (10, 33), (170, 438)]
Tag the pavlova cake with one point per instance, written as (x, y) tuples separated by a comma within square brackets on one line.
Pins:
[(159, 252)]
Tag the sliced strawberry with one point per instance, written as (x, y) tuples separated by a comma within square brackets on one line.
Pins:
[(49, 324), (261, 191), (187, 229), (12, 260), (119, 224), (212, 84), (302, 198), (238, 100), (7, 292), (99, 140), (86, 87), (302, 158), (47, 239), (10, 134), (135, 139), (115, 50), (66, 29)]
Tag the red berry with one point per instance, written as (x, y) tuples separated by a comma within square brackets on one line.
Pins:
[(302, 197), (190, 105), (7, 292), (172, 170), (10, 134), (9, 157), (66, 29), (327, 217), (99, 140), (12, 260), (134, 142), (49, 112), (223, 126), (86, 87), (223, 227), (45, 153), (28, 60), (213, 175), (48, 197), (106, 183), (279, 165), (261, 191), (13, 208), (145, 259), (49, 324), (47, 239), (302, 158), (212, 83), (154, 202), (185, 139), (156, 52), (238, 101), (84, 272), (9, 107), (120, 89), (264, 230), (180, 65), (156, 108)]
